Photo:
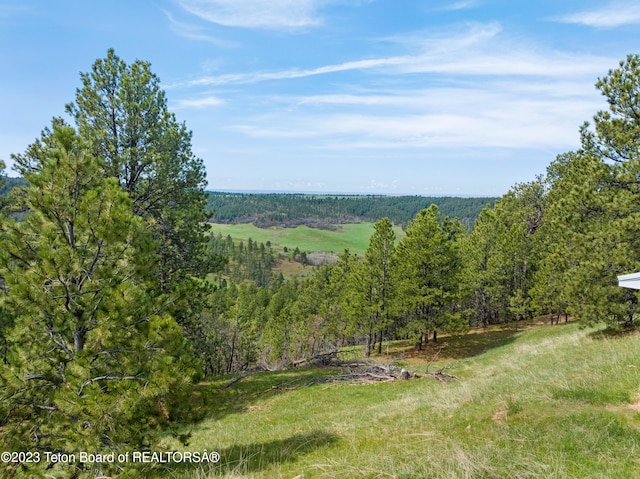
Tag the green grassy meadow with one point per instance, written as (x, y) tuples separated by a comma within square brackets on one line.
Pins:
[(354, 236), (543, 402)]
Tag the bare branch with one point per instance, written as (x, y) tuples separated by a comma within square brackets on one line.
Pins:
[(107, 378)]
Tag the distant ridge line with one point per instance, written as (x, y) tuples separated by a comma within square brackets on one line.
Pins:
[(336, 193)]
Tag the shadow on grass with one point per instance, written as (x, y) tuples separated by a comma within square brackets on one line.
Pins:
[(475, 344), (613, 333), (218, 398), (456, 347), (246, 459)]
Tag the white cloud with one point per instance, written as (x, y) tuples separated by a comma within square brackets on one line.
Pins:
[(270, 14), (478, 50), (206, 102), (376, 185), (613, 15), (469, 92), (484, 49), (517, 114), (194, 32), (256, 77), (462, 5)]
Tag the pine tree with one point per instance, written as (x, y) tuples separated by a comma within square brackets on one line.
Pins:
[(92, 354), (429, 267), (122, 112), (482, 281), (595, 209), (379, 286)]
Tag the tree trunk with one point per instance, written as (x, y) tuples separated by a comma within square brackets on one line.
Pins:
[(79, 335), (419, 343), (367, 348)]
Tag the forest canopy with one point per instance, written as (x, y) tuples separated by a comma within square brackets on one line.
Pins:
[(265, 210)]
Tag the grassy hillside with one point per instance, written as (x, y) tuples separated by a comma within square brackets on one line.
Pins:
[(353, 236), (546, 402)]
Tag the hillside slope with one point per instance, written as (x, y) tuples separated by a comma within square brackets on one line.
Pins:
[(549, 401)]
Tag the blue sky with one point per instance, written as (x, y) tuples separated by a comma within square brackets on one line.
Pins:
[(425, 97)]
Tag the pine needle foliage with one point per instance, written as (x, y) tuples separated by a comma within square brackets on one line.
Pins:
[(92, 357)]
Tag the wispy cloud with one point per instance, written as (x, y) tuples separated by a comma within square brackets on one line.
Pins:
[(476, 120), (198, 103), (256, 77), (609, 16), (194, 32), (271, 14), (462, 5), (469, 91), (478, 50), (517, 113)]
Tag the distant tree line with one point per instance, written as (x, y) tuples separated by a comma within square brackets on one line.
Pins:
[(7, 183), (322, 211)]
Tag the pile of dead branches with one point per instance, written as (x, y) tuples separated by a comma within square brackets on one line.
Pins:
[(364, 371), (350, 371), (355, 372)]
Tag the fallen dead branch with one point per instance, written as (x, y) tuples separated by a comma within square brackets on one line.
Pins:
[(433, 358), (232, 382), (323, 359), (440, 375)]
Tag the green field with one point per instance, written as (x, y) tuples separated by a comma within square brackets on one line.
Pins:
[(354, 236), (546, 402)]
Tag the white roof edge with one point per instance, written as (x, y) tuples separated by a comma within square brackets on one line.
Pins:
[(629, 277), (629, 281)]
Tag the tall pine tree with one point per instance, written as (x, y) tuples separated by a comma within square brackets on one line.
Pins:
[(428, 278), (92, 355), (595, 207), (122, 112)]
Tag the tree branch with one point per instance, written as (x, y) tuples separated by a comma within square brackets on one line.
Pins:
[(107, 378)]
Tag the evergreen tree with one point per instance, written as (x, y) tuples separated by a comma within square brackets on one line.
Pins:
[(3, 319), (92, 356), (429, 267), (345, 299), (481, 278), (122, 111), (595, 209), (379, 286), (502, 256)]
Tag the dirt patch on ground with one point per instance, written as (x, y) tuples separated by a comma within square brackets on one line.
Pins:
[(500, 417), (635, 406), (318, 258)]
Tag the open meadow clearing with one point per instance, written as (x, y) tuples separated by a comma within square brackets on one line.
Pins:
[(354, 236), (544, 401)]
